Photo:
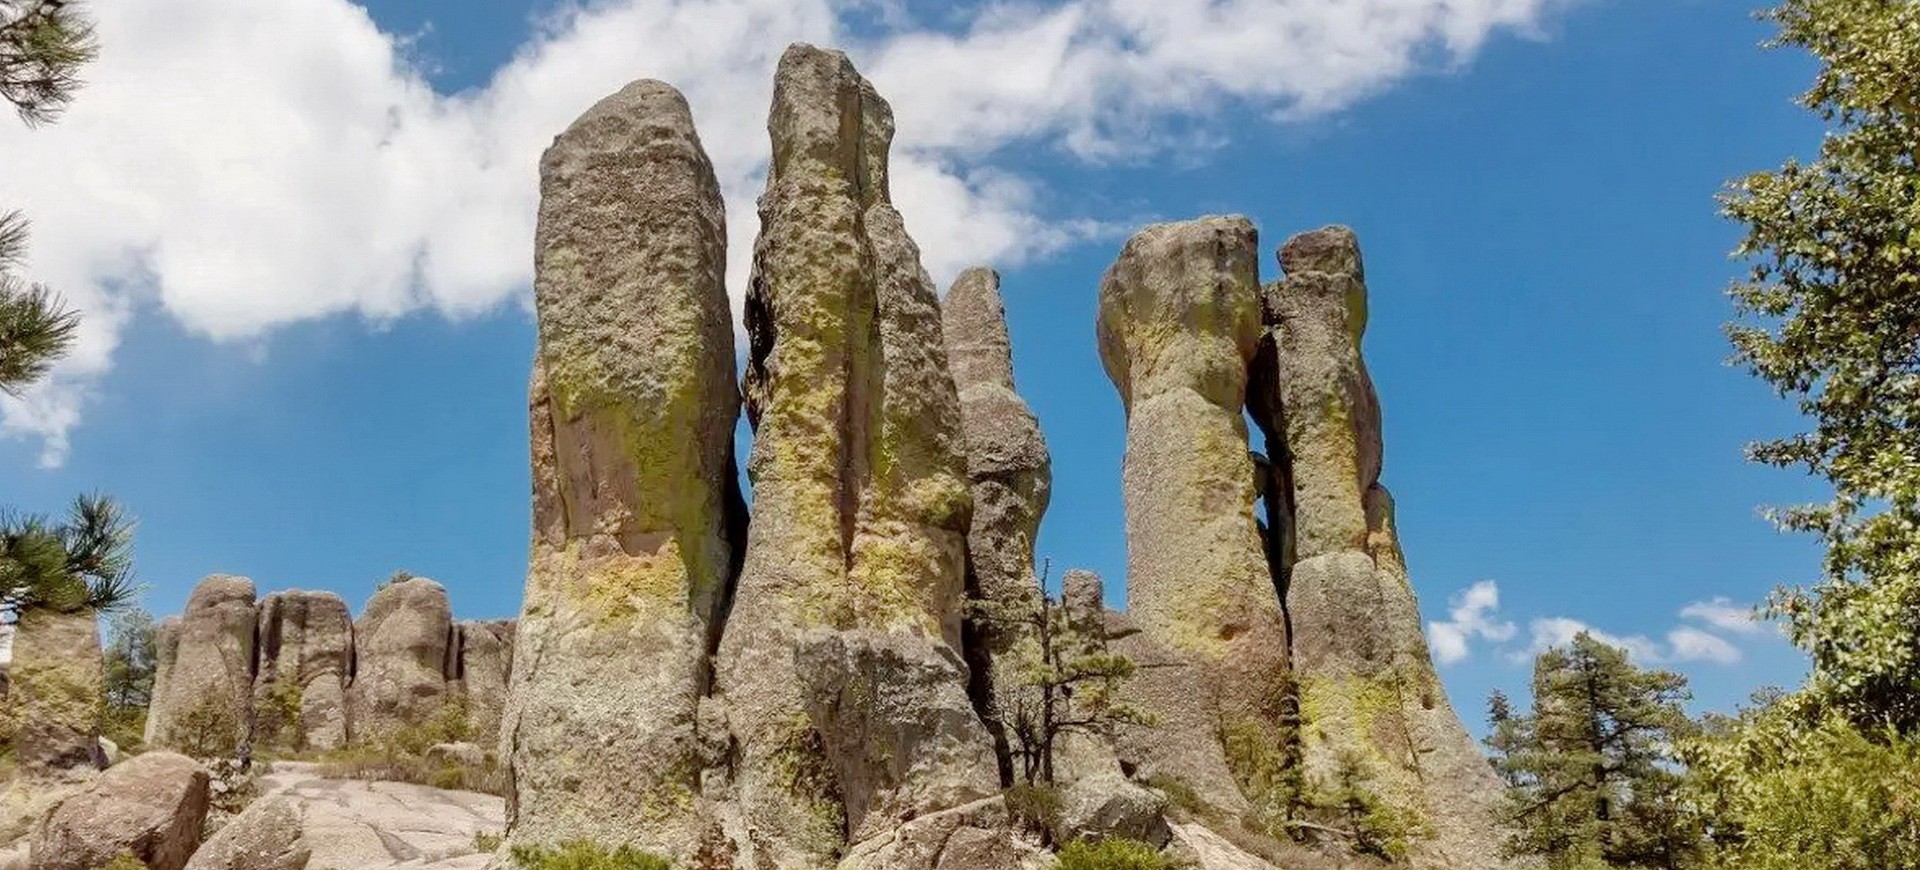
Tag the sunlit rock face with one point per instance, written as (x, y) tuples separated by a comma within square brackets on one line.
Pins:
[(855, 559), (632, 409), (1179, 323), (1366, 684)]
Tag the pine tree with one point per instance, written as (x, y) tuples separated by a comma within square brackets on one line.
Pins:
[(1591, 771), (43, 44), (84, 563)]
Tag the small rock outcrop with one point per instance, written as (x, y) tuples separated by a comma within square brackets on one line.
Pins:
[(306, 654), (1012, 479), (203, 691), (306, 821), (856, 553), (1179, 322), (481, 669), (292, 671), (53, 704), (632, 406), (400, 647), (1366, 683), (149, 807)]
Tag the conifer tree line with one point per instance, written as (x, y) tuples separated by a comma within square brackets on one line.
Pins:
[(1606, 770)]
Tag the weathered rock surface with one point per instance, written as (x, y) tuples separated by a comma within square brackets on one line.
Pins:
[(483, 668), (1012, 479), (632, 407), (1110, 805), (150, 807), (1204, 849), (204, 687), (303, 821), (400, 646), (54, 702), (1179, 322), (861, 498), (974, 836), (306, 650), (1367, 685)]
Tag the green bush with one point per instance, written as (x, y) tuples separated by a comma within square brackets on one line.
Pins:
[(1034, 809), (587, 856), (487, 842), (1113, 853)]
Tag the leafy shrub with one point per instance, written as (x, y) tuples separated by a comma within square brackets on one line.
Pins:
[(587, 856), (276, 716), (1034, 809), (400, 755), (487, 842), (1113, 853), (1179, 794), (124, 861)]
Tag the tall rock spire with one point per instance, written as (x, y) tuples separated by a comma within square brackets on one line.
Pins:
[(840, 665), (203, 690), (1179, 322), (632, 410), (1012, 478), (1367, 686)]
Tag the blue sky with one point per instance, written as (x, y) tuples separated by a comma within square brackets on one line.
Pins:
[(311, 371)]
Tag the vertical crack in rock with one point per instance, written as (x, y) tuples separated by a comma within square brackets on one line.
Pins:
[(1179, 323), (299, 690), (840, 668), (631, 406), (1367, 685), (1012, 478)]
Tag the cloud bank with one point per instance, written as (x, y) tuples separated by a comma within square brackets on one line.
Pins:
[(241, 165), (1702, 634)]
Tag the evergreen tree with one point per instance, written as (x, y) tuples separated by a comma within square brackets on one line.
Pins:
[(43, 44), (84, 563), (1590, 771)]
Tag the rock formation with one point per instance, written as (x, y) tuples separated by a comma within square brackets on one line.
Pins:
[(305, 656), (56, 693), (149, 808), (632, 406), (481, 669), (204, 690), (1366, 684), (855, 559), (400, 650), (1179, 322), (1011, 477), (293, 672)]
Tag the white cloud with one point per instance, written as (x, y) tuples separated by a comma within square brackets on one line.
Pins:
[(1560, 630), (1721, 613), (240, 165), (1691, 644), (1472, 611), (1683, 643)]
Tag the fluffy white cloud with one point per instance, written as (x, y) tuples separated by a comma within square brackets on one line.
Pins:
[(239, 165), (1471, 613), (1683, 643), (1722, 614)]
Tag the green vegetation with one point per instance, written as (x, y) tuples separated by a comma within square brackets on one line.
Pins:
[(1034, 809), (131, 655), (1068, 681), (587, 856), (1113, 853), (487, 842), (1591, 771), (124, 861), (276, 716), (82, 563), (43, 44), (401, 755)]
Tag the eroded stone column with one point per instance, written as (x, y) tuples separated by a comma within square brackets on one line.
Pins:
[(203, 705), (1179, 322), (56, 694), (632, 411), (1012, 479), (1367, 686), (852, 588), (306, 650)]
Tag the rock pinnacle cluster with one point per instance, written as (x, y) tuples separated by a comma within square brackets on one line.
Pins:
[(843, 674)]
